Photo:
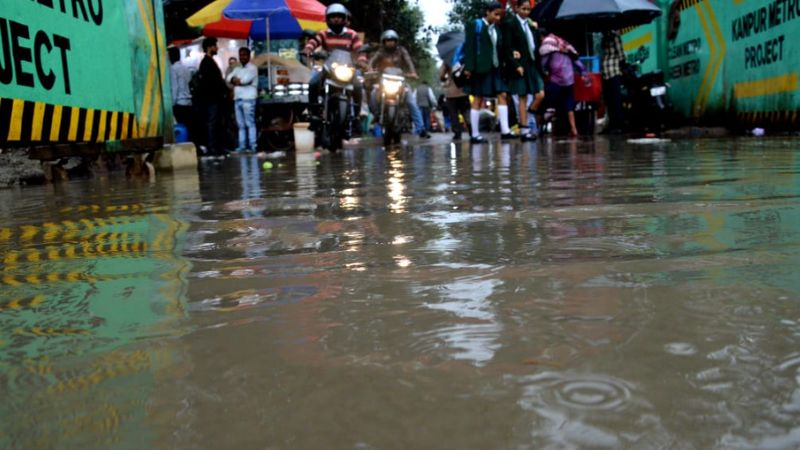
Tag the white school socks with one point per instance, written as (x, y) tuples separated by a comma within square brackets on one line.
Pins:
[(502, 110), (474, 120)]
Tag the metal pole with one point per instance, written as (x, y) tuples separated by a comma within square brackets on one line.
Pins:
[(269, 56)]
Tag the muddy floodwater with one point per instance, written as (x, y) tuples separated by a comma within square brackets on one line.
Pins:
[(542, 296)]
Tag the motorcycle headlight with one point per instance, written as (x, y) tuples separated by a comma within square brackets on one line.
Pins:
[(392, 87), (344, 73)]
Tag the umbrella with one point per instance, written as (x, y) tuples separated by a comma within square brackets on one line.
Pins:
[(210, 13), (261, 19), (275, 13), (287, 18), (447, 45), (595, 15)]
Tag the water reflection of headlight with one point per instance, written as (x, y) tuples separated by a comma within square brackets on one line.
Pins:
[(391, 87), (344, 73)]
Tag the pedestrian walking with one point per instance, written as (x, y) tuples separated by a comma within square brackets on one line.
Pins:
[(426, 102), (559, 60), (244, 79), (208, 97), (522, 68), (483, 70), (612, 64), (179, 76), (457, 101)]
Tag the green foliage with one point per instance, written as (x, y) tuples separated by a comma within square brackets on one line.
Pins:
[(465, 10)]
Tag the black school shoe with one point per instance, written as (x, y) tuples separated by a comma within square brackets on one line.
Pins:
[(508, 136), (478, 140), (529, 137)]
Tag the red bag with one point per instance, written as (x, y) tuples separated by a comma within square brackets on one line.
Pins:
[(591, 93)]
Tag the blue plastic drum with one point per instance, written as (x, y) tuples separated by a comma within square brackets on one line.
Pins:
[(181, 133)]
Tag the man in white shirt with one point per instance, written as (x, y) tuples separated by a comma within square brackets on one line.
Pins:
[(245, 91), (180, 74)]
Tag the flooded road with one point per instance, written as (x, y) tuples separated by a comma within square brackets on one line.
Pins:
[(546, 295)]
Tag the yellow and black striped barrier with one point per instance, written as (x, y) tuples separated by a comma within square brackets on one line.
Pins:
[(99, 208), (24, 122), (51, 332), (109, 368), (762, 118), (82, 250), (20, 304), (65, 230)]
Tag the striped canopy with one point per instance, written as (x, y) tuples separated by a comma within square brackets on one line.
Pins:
[(241, 19)]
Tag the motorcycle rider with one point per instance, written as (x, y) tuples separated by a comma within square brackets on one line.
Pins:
[(391, 54), (337, 36)]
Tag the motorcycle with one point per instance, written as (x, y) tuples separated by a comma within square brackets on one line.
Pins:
[(391, 93), (645, 98), (337, 99)]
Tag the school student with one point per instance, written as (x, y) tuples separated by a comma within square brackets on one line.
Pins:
[(483, 68), (522, 73)]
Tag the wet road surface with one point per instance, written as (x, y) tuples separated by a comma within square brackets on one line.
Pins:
[(547, 295)]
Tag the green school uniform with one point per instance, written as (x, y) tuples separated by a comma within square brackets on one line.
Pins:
[(484, 59), (515, 39)]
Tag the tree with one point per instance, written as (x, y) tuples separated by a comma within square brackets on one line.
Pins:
[(465, 10)]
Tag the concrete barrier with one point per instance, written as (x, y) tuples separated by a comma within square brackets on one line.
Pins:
[(176, 157)]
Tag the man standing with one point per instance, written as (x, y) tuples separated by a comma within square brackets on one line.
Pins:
[(244, 79), (613, 59), (179, 76), (426, 101), (210, 93)]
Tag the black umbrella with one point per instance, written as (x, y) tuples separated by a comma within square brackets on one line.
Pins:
[(595, 15), (447, 45)]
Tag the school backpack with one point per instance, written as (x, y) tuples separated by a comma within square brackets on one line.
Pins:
[(457, 62)]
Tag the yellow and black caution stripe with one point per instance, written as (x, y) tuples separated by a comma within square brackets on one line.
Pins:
[(686, 4), (80, 250), (117, 367), (628, 29), (68, 277), (26, 122), (67, 230), (779, 119), (51, 332), (100, 208), (53, 277), (24, 303)]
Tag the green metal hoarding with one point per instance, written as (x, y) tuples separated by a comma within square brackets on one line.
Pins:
[(82, 71), (726, 60)]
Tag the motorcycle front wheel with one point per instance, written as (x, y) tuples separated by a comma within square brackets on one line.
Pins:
[(391, 129)]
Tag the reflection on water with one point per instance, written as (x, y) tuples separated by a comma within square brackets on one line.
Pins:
[(547, 295)]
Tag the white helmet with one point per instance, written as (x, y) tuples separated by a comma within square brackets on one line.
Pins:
[(336, 9), (390, 35)]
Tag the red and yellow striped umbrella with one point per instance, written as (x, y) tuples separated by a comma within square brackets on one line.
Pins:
[(287, 19)]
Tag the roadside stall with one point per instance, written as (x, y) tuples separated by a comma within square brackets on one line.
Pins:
[(282, 106), (283, 80)]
